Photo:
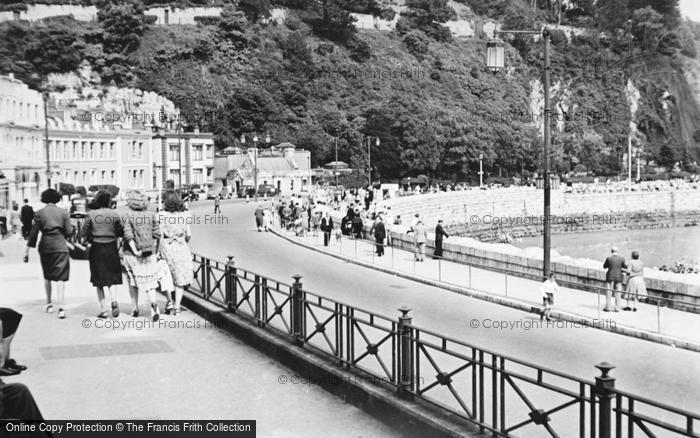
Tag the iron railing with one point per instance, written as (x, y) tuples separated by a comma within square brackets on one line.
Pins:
[(502, 395)]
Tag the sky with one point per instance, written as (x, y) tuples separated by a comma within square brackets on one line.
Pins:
[(691, 8)]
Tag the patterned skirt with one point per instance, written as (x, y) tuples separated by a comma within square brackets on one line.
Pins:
[(141, 272)]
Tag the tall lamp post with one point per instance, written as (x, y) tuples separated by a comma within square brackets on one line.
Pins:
[(45, 96), (369, 158), (495, 55), (481, 170), (335, 167)]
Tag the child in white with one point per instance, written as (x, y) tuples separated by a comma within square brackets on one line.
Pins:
[(548, 289)]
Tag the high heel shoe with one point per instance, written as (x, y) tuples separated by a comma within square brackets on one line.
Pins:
[(61, 313), (169, 307), (155, 313), (49, 308), (115, 309)]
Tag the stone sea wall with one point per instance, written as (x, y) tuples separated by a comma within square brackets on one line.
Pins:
[(512, 208)]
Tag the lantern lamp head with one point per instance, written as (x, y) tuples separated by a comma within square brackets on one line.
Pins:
[(495, 54)]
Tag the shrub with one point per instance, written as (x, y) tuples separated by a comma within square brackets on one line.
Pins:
[(403, 26), (416, 44), (359, 50), (206, 20)]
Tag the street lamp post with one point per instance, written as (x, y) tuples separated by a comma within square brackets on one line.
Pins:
[(369, 159), (481, 170), (495, 55), (45, 96), (179, 157), (335, 166)]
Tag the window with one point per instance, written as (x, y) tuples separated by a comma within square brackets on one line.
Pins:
[(140, 152), (141, 178), (174, 153), (197, 176), (102, 151), (75, 178), (92, 151), (82, 150), (102, 178), (111, 151), (74, 155), (85, 178), (210, 151), (197, 152), (113, 174)]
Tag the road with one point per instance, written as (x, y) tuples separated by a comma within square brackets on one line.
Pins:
[(653, 370)]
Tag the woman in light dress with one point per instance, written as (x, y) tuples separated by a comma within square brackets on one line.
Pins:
[(174, 248), (635, 284)]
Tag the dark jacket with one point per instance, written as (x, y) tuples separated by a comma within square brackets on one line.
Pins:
[(614, 264), (54, 224), (327, 224), (440, 232), (26, 216), (379, 231)]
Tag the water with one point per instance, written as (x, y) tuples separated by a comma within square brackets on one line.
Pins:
[(656, 247)]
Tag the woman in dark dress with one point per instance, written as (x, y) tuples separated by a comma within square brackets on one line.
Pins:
[(54, 225), (102, 228)]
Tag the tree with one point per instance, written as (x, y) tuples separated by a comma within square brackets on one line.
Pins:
[(333, 21), (255, 10), (427, 15), (667, 156), (232, 26), (123, 24), (612, 14)]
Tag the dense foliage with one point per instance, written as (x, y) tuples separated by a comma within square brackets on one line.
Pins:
[(427, 96)]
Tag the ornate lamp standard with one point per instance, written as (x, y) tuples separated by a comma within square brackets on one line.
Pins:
[(481, 170), (495, 55), (369, 159)]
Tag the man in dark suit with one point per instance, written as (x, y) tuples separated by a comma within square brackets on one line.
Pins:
[(615, 265), (439, 235), (379, 235), (326, 227), (26, 216)]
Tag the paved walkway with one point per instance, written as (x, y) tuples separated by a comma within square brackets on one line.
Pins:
[(682, 328), (190, 371)]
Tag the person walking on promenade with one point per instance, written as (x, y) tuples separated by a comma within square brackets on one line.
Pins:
[(439, 235), (174, 247), (357, 227), (326, 227), (548, 289), (101, 228), (635, 284), (54, 225), (615, 265), (267, 219), (420, 235), (259, 217), (27, 217), (141, 236), (15, 222), (388, 222), (217, 204), (9, 321), (379, 235)]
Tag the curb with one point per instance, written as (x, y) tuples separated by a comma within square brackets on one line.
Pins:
[(515, 304), (414, 418)]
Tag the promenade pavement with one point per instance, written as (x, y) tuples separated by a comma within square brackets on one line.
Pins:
[(679, 327), (182, 368), (642, 367)]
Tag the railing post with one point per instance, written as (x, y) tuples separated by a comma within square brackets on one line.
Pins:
[(405, 354), (604, 386), (231, 295), (298, 311), (256, 288)]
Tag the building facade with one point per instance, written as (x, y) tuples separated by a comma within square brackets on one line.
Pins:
[(86, 154), (284, 166), (22, 150)]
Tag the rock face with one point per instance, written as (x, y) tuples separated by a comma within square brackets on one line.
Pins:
[(80, 95)]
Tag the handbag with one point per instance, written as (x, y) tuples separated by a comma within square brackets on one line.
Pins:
[(78, 251)]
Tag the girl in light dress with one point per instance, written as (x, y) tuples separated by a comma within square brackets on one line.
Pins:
[(174, 248)]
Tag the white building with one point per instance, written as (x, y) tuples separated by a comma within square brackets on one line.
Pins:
[(85, 154)]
